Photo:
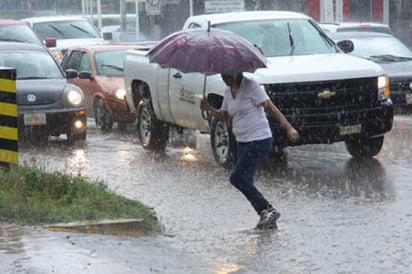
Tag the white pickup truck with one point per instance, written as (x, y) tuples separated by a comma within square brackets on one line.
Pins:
[(327, 95)]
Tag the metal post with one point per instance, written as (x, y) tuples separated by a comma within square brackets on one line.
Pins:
[(137, 20), (91, 10), (99, 14), (83, 8), (123, 15), (191, 7)]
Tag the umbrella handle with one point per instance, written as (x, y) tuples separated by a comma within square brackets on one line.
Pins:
[(204, 113)]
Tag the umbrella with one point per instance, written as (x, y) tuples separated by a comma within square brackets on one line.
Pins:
[(208, 51)]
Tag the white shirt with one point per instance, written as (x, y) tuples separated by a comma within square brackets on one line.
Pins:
[(249, 122)]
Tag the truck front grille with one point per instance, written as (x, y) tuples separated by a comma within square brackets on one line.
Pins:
[(328, 102)]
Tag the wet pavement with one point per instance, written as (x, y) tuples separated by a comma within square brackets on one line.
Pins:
[(338, 215)]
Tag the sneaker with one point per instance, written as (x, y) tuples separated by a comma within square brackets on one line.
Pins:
[(268, 219)]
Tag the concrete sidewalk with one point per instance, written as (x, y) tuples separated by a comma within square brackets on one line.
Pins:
[(37, 250)]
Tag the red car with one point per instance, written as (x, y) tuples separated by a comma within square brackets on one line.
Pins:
[(98, 71)]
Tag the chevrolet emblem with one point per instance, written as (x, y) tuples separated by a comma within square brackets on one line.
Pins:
[(326, 94)]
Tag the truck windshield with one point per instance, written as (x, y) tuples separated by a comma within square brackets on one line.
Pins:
[(283, 37)]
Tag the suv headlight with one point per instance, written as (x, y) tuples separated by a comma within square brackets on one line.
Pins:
[(74, 97), (383, 87)]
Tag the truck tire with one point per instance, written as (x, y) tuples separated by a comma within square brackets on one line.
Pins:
[(364, 147), (152, 133), (102, 117), (223, 143)]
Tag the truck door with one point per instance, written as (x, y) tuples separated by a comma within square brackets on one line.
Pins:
[(185, 92)]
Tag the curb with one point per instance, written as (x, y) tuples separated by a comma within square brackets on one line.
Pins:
[(127, 227)]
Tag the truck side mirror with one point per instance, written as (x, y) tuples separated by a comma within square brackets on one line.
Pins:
[(346, 46)]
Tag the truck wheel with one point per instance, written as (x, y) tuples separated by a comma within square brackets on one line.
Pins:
[(102, 117), (152, 133), (364, 147), (223, 143)]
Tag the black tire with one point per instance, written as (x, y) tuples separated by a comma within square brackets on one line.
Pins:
[(102, 117), (364, 147), (152, 133), (223, 143)]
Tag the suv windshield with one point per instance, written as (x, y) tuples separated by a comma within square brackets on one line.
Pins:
[(283, 37), (67, 30), (19, 33)]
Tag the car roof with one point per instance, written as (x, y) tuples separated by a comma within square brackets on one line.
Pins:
[(364, 26), (219, 18), (358, 34), (21, 46), (57, 18), (11, 22)]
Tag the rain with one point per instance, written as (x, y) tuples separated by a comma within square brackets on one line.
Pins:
[(339, 214)]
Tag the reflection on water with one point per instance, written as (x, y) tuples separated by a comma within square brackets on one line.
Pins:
[(76, 163), (365, 178), (336, 178)]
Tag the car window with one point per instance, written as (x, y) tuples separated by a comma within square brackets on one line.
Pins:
[(72, 60), (85, 63), (66, 30), (380, 46), (282, 37), (19, 33), (110, 63), (194, 26), (31, 65)]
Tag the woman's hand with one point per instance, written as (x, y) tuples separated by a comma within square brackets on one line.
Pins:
[(204, 105), (293, 134)]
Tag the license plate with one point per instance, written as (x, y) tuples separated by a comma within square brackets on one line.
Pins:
[(347, 130), (409, 98), (34, 119)]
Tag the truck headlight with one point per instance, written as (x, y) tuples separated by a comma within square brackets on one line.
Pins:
[(120, 93), (383, 87), (74, 97)]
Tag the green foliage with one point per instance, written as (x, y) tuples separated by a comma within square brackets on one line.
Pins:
[(30, 196)]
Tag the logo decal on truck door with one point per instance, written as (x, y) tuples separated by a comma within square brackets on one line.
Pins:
[(186, 95)]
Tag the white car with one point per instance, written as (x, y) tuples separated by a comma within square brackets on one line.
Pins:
[(68, 31), (355, 26)]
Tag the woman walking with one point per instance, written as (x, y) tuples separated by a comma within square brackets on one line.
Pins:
[(244, 104)]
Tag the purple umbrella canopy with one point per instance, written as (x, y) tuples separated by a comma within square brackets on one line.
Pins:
[(208, 51)]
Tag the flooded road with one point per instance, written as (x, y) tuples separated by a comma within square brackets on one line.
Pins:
[(338, 215)]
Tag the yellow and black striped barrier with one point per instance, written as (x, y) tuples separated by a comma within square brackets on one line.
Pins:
[(8, 118)]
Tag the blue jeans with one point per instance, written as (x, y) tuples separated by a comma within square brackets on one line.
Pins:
[(249, 157)]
